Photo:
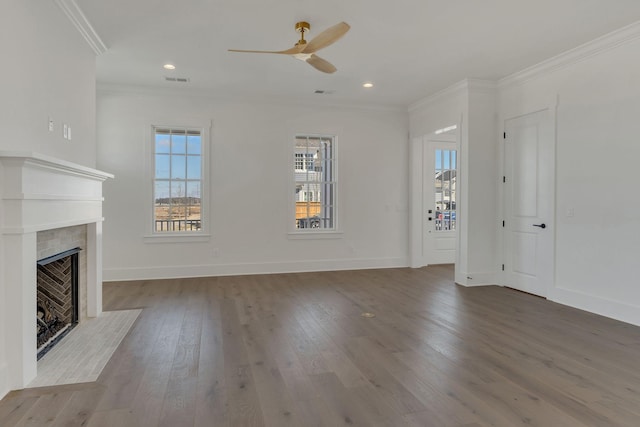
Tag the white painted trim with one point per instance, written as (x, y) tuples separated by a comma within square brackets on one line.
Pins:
[(4, 375), (453, 90), (189, 92), (604, 307), (60, 197), (311, 235), (44, 161), (175, 237), (595, 47), (205, 127), (482, 86), (212, 270), (477, 279), (466, 85), (82, 24)]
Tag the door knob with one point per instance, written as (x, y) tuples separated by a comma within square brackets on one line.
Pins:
[(543, 225)]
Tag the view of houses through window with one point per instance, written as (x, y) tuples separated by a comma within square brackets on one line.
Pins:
[(177, 180), (315, 182), (445, 190)]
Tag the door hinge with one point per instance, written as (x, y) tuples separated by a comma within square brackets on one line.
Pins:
[(502, 267), (504, 135), (504, 179), (502, 223)]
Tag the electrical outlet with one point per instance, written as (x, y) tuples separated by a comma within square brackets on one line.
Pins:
[(50, 124), (65, 131), (69, 133)]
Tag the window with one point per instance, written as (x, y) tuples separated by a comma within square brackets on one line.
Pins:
[(315, 182), (304, 161), (445, 190), (178, 180)]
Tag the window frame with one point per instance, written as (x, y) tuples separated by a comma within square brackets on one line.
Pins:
[(313, 233), (203, 234)]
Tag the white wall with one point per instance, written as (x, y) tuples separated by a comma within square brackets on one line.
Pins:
[(250, 184), (47, 71), (597, 250), (479, 161)]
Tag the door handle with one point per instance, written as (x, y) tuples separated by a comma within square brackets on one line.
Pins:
[(543, 225)]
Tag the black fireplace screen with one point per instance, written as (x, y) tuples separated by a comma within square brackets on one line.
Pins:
[(57, 300)]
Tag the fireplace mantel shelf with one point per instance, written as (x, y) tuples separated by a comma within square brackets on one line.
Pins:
[(41, 192), (53, 162)]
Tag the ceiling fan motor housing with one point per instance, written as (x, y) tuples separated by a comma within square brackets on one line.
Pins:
[(302, 27)]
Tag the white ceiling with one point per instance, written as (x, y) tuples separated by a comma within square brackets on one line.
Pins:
[(408, 48)]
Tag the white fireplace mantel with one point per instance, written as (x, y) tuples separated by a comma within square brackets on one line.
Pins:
[(37, 193), (41, 192)]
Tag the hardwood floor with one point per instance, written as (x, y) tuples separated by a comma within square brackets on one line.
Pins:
[(293, 350)]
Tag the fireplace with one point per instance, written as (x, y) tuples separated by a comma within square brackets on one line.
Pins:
[(42, 200), (57, 300)]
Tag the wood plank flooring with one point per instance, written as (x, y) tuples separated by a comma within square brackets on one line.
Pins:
[(293, 350)]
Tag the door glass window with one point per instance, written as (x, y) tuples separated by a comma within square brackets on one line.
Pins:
[(445, 189)]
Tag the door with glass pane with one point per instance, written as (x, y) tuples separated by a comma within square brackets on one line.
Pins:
[(440, 185)]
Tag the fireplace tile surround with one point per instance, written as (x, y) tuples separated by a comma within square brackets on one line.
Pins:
[(47, 205)]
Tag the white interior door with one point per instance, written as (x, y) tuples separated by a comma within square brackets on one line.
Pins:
[(440, 219), (529, 202)]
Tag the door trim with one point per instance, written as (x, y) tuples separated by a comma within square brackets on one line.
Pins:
[(417, 209)]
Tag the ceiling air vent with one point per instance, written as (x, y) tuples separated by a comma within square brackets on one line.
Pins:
[(177, 79)]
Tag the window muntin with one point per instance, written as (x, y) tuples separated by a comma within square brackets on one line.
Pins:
[(445, 190), (315, 182), (178, 180)]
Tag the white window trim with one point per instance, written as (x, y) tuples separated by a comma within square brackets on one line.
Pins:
[(310, 233), (203, 235)]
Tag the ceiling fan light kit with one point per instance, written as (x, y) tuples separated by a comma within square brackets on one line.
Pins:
[(305, 51)]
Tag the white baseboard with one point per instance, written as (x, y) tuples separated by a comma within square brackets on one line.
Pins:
[(183, 271), (475, 279), (4, 379), (608, 308)]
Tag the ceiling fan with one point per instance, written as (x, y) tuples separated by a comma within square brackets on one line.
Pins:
[(307, 51)]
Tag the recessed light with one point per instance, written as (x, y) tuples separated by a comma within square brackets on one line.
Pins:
[(367, 85), (169, 67)]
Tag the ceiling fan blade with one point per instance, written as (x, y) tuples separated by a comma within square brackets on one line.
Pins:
[(292, 51), (327, 37), (321, 64)]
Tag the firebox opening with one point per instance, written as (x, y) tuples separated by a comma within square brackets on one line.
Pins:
[(57, 298)]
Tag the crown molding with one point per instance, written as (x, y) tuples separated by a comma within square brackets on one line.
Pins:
[(462, 87), (595, 47), (453, 90), (153, 91), (82, 24)]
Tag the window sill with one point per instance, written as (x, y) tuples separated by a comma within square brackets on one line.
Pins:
[(176, 238), (310, 235)]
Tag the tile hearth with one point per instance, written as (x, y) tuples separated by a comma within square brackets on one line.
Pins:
[(85, 351)]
